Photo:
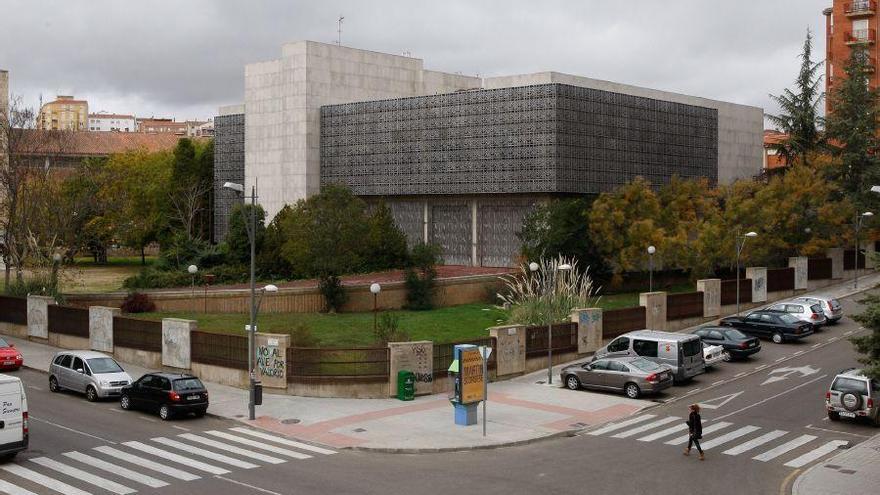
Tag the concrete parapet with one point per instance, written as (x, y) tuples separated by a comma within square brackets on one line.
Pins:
[(176, 342), (101, 328), (38, 316), (711, 289), (417, 357), (758, 275), (801, 276), (836, 255), (589, 332), (271, 362), (510, 349), (655, 309)]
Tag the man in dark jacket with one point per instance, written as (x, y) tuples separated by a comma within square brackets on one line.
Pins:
[(695, 430)]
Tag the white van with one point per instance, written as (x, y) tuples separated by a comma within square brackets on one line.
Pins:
[(683, 352), (13, 416)]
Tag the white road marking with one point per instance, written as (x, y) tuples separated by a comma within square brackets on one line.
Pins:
[(229, 448), (664, 433), (180, 428), (709, 429), (71, 429), (110, 486), (816, 345), (252, 487), (35, 387), (283, 441), (186, 461), (739, 374), (120, 411), (151, 420), (756, 442), (146, 463), (718, 382), (117, 470), (258, 445), (644, 428), (772, 397), (622, 424), (11, 489), (811, 427), (720, 401), (693, 391), (205, 453), (759, 368), (727, 437), (798, 353), (40, 479), (782, 358), (816, 454), (848, 333), (786, 447)]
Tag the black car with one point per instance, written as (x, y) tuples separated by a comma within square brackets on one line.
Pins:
[(780, 327), (736, 344), (169, 394)]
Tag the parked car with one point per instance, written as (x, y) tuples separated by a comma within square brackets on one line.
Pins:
[(14, 434), (683, 353), (779, 327), (10, 358), (804, 311), (92, 373), (853, 395), (830, 306), (169, 394), (736, 344), (712, 354), (633, 376)]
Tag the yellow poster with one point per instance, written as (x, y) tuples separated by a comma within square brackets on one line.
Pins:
[(471, 376)]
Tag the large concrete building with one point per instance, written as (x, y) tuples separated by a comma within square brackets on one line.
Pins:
[(461, 159), (849, 23), (66, 113)]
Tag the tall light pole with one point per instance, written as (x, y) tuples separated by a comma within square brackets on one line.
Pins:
[(861, 217), (651, 251), (192, 269), (375, 289), (740, 243)]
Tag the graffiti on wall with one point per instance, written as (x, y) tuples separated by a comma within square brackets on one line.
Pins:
[(270, 361)]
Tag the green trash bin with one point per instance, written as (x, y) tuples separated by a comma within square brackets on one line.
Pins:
[(406, 385)]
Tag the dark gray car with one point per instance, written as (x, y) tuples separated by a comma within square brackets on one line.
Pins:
[(633, 376)]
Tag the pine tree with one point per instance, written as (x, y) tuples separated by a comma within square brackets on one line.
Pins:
[(799, 118)]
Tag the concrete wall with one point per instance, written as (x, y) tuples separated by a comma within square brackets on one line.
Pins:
[(418, 357), (176, 342), (800, 265), (711, 289), (144, 359), (334, 388), (758, 276), (221, 375), (38, 316), (655, 309), (13, 330), (67, 341), (101, 328), (836, 255), (589, 335), (510, 349)]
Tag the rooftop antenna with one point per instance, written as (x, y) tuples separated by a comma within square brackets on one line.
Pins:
[(339, 30)]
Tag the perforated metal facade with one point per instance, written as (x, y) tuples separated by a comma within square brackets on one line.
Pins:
[(548, 138), (228, 167)]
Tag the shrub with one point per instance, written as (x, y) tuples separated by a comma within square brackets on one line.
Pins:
[(302, 336), (137, 302), (333, 292), (388, 330), (37, 285), (419, 277), (152, 278)]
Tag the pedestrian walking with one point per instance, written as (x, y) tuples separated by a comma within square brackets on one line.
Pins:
[(695, 430)]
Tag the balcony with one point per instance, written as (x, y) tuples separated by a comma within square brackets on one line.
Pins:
[(860, 8), (861, 36)]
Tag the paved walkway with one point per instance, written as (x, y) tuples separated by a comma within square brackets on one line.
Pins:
[(856, 470)]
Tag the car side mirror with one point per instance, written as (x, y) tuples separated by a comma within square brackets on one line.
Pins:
[(587, 366), (80, 370)]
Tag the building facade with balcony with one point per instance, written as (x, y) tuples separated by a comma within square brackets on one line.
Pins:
[(111, 122), (66, 113), (849, 23)]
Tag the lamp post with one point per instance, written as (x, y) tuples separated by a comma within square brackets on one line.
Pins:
[(56, 261), (192, 269), (651, 251), (741, 242), (861, 217), (375, 289)]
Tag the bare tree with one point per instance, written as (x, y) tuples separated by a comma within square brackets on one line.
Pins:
[(188, 203)]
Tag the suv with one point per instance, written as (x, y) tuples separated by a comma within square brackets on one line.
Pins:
[(853, 395), (92, 373)]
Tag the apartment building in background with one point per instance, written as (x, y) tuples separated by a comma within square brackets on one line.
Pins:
[(849, 24), (111, 122), (66, 113), (191, 128)]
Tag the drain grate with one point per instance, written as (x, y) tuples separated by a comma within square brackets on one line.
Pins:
[(359, 430), (290, 421), (578, 425)]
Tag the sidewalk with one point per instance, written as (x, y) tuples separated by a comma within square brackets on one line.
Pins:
[(857, 470), (520, 410)]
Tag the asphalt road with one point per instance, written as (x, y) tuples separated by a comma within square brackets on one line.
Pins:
[(777, 395)]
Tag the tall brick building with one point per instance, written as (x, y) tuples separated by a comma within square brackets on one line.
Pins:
[(848, 24)]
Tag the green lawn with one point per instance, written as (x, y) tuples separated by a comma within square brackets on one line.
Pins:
[(630, 299)]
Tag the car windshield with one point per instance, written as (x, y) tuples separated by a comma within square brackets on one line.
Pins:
[(188, 384), (644, 364), (735, 334), (787, 318), (3, 342), (843, 384), (103, 365)]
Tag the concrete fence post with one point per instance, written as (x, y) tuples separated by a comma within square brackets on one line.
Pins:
[(836, 255), (38, 316), (758, 274), (176, 342), (101, 328), (417, 357), (271, 361), (589, 331), (801, 275), (510, 349), (711, 289), (869, 248), (655, 309)]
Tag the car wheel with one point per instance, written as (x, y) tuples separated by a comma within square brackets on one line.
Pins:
[(165, 412), (53, 384), (91, 394), (572, 382), (777, 338), (201, 413), (833, 415), (125, 402), (726, 357), (632, 391)]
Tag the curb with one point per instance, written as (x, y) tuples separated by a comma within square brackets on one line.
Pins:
[(518, 443), (796, 485)]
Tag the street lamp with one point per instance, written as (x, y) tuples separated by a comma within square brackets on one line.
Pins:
[(741, 242), (251, 231), (561, 268), (56, 261), (651, 251), (861, 217), (192, 269), (375, 289)]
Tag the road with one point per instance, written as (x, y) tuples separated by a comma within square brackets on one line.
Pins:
[(80, 447)]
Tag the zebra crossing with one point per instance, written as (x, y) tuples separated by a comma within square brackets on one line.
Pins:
[(761, 445), (131, 466)]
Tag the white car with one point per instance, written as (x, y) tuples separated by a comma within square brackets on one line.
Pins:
[(712, 354)]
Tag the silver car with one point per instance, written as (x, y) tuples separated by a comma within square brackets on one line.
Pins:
[(633, 376), (830, 306), (803, 311), (92, 373)]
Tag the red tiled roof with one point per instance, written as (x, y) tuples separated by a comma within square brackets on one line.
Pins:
[(92, 143), (772, 137)]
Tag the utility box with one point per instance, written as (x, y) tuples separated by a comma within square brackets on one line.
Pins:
[(406, 385), (258, 393)]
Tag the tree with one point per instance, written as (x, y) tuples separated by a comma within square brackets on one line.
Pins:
[(237, 241), (419, 276), (270, 262), (800, 116), (190, 189), (385, 245), (687, 209), (869, 345)]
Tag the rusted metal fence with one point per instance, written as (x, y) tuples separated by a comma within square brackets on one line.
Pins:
[(685, 305), (620, 321), (819, 268), (144, 335), (728, 291), (13, 310), (229, 351), (780, 279), (443, 354), (68, 321), (357, 362), (849, 257), (564, 339)]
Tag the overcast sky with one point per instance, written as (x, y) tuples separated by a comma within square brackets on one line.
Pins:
[(183, 59)]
